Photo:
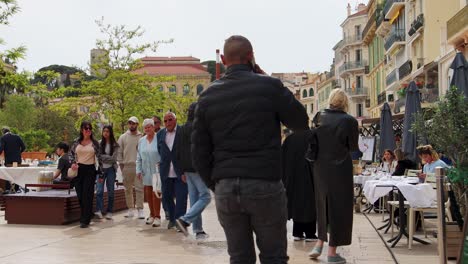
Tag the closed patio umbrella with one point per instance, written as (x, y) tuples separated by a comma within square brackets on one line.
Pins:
[(412, 106), (387, 137), (460, 73)]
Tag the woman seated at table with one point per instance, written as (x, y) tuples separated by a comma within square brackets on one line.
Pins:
[(430, 159), (389, 161), (403, 163)]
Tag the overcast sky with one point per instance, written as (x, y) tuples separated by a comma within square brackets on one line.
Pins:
[(287, 35)]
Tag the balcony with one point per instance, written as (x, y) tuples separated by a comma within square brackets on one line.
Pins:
[(359, 91), (394, 40), (405, 69), (392, 7), (352, 66), (457, 26), (416, 25), (351, 40), (381, 98), (429, 95), (369, 29), (391, 78)]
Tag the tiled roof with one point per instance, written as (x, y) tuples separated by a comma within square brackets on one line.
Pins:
[(360, 13), (187, 58), (173, 69)]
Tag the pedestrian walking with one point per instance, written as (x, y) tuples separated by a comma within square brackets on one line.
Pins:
[(126, 157), (172, 176), (236, 143), (109, 150), (146, 167), (337, 136), (298, 182), (83, 155), (199, 194)]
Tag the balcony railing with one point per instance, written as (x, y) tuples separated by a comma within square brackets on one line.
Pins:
[(405, 69), (389, 4), (457, 23), (379, 17), (349, 40), (358, 91), (352, 65), (395, 35), (391, 77), (429, 95), (381, 98), (369, 25), (417, 24)]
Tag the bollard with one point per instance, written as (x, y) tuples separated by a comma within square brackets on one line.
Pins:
[(441, 236)]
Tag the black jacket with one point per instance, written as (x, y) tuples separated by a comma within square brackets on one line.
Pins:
[(184, 152), (402, 166), (13, 146), (237, 126)]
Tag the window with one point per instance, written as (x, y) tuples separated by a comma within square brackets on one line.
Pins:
[(311, 108), (172, 89), (358, 31), (199, 89), (358, 109), (358, 55), (160, 88), (311, 92), (186, 89), (304, 93), (305, 106), (358, 81)]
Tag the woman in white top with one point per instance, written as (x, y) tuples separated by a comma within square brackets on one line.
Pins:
[(83, 155), (146, 166), (389, 161)]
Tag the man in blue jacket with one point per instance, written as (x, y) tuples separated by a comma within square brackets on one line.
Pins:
[(172, 178)]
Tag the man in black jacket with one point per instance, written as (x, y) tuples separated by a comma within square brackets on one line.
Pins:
[(236, 145), (12, 145), (199, 194)]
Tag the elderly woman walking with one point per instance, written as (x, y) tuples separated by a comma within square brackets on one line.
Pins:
[(146, 166), (337, 136)]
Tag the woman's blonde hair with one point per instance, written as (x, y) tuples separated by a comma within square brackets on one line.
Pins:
[(427, 149), (399, 154), (338, 100)]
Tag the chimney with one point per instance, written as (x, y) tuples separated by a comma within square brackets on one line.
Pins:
[(349, 9), (361, 7)]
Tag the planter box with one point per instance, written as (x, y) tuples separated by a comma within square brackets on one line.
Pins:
[(454, 240), (34, 155)]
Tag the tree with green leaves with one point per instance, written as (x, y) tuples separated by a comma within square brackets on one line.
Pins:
[(19, 112)]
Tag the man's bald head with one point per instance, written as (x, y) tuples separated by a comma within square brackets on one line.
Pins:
[(237, 50)]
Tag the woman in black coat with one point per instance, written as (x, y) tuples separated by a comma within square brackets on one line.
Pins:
[(337, 136), (298, 182)]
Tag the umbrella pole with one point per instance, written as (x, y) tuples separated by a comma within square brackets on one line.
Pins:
[(441, 234)]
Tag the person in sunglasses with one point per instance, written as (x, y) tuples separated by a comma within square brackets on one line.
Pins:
[(172, 178), (83, 155)]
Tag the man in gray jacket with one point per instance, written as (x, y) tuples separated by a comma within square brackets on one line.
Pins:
[(126, 158)]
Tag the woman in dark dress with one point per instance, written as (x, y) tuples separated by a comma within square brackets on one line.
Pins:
[(337, 136), (298, 182), (403, 163)]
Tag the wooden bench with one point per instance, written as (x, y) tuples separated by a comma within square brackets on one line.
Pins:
[(51, 207)]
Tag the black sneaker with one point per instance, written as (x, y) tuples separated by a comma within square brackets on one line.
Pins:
[(83, 225), (182, 225), (201, 235), (171, 225)]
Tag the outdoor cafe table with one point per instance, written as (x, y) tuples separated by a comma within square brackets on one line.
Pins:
[(421, 195), (23, 175)]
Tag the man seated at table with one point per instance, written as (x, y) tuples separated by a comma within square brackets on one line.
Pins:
[(63, 163)]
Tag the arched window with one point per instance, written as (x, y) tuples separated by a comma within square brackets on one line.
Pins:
[(304, 93), (311, 92), (160, 87), (172, 89), (186, 89), (199, 89)]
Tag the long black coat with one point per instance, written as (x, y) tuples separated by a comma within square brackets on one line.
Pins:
[(297, 179), (337, 136)]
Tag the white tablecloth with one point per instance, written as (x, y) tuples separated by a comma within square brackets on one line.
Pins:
[(22, 175), (420, 195), (374, 189), (361, 179)]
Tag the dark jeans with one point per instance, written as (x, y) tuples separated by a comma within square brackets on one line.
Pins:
[(175, 187), (109, 180), (299, 229), (84, 186), (245, 206)]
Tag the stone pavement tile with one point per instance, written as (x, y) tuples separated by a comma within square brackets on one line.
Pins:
[(126, 241)]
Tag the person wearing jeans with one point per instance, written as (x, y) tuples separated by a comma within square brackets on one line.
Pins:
[(199, 194), (109, 149)]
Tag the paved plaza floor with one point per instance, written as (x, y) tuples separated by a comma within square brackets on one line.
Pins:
[(131, 241)]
